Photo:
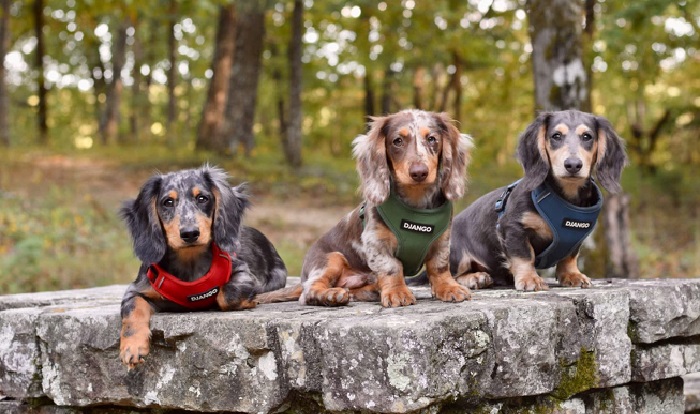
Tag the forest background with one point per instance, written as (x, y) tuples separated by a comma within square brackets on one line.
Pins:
[(96, 95)]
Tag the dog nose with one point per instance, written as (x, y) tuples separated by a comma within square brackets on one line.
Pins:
[(418, 172), (189, 235), (573, 165)]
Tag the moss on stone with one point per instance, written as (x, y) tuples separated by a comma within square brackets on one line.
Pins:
[(577, 378)]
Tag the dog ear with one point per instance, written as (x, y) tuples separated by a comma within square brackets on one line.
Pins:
[(142, 220), (611, 156), (456, 154), (532, 153), (372, 165), (229, 205)]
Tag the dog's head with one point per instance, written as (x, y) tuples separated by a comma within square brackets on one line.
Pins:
[(570, 145), (412, 148), (185, 211)]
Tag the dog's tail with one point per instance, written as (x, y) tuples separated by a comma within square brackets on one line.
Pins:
[(419, 280), (286, 294)]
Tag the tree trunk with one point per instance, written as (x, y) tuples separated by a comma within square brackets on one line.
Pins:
[(559, 74), (208, 131), (369, 97), (172, 73), (588, 39), (386, 91), (243, 85), (418, 86), (623, 261), (109, 127), (136, 87), (4, 94), (42, 115), (292, 138)]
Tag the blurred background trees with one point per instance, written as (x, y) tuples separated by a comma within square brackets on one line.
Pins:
[(276, 83)]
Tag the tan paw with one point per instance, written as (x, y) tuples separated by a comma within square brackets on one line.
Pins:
[(397, 296), (452, 292), (574, 279), (530, 282), (132, 350), (478, 280)]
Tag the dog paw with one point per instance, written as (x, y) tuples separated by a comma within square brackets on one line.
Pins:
[(574, 279), (328, 297), (131, 352), (530, 282), (478, 280), (397, 296), (452, 292)]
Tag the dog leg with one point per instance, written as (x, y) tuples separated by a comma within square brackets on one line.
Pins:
[(321, 288), (568, 274), (525, 276), (442, 284), (134, 341), (394, 291), (476, 280)]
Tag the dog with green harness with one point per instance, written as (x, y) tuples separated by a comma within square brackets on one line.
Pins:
[(412, 165)]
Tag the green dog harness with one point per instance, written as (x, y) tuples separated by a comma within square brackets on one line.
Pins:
[(415, 229)]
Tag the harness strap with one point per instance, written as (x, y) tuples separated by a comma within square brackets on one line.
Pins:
[(415, 229), (198, 294)]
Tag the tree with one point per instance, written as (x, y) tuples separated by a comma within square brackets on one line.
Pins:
[(558, 70), (209, 135), (172, 69), (291, 137), (42, 90), (109, 124), (245, 75), (4, 94)]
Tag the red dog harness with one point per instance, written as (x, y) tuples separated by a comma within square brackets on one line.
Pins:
[(201, 293)]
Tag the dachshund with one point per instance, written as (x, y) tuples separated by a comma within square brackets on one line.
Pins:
[(411, 164), (196, 255), (504, 235)]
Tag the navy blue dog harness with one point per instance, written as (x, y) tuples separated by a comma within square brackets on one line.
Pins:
[(570, 224)]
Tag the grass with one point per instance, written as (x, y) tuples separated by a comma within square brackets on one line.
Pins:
[(59, 227)]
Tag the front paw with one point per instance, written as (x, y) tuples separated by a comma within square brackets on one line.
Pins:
[(530, 282), (132, 351), (397, 296), (453, 292), (574, 279)]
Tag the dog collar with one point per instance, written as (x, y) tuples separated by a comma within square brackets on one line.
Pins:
[(570, 224), (415, 229), (199, 294)]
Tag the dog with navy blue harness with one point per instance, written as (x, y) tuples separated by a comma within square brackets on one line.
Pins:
[(541, 220)]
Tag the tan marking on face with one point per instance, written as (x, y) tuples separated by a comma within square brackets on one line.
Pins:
[(404, 132), (172, 232), (204, 224), (602, 144), (424, 131), (581, 129), (196, 191), (563, 128), (172, 194), (536, 223)]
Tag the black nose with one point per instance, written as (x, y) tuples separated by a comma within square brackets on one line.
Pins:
[(418, 172), (189, 235), (573, 165)]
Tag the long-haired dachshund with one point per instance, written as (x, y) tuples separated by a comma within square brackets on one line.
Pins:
[(411, 165), (196, 255), (506, 234)]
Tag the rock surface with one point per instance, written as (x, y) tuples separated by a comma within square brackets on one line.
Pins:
[(620, 344)]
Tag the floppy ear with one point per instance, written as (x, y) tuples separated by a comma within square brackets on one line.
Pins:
[(229, 205), (456, 154), (611, 156), (142, 220), (532, 152), (372, 165)]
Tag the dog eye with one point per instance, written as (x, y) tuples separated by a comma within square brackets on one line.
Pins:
[(432, 139), (202, 199), (556, 136), (586, 136), (398, 142), (169, 202)]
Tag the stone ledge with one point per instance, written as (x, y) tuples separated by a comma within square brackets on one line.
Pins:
[(560, 346)]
